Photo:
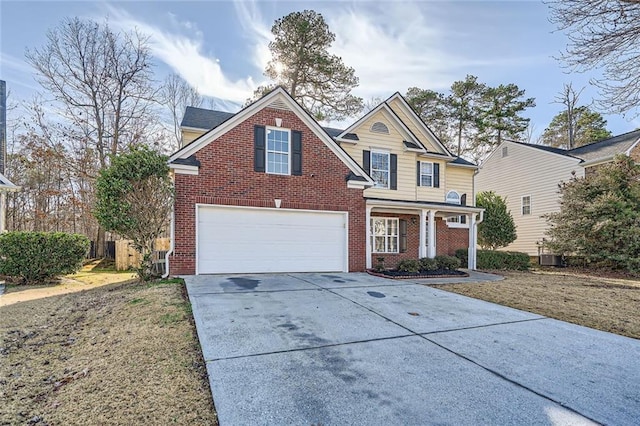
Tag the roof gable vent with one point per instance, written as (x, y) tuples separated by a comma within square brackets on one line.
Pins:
[(279, 104), (379, 127)]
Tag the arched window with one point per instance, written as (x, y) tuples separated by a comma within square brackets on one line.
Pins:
[(379, 127), (453, 197)]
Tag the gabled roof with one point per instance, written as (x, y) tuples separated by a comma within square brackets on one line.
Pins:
[(206, 119), (280, 96), (418, 121), (541, 147), (346, 134), (607, 148)]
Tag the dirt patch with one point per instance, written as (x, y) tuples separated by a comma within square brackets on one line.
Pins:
[(606, 304), (116, 354)]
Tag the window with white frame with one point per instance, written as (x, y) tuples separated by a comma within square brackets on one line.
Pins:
[(380, 165), (526, 205), (453, 197), (384, 234), (426, 173), (278, 151)]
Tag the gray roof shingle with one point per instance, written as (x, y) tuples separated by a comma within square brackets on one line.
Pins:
[(606, 148), (206, 119)]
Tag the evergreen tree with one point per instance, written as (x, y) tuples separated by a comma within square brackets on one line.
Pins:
[(497, 229), (302, 64), (588, 126)]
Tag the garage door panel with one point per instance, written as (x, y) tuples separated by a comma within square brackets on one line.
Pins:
[(270, 240)]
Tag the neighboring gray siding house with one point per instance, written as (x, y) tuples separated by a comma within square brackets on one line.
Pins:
[(528, 175)]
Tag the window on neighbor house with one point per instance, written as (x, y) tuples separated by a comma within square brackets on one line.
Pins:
[(278, 151), (380, 166), (426, 173), (384, 232), (526, 205)]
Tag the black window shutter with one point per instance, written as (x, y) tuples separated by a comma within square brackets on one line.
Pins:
[(296, 153), (258, 148), (463, 201), (403, 236), (436, 175), (393, 175), (418, 172), (366, 161)]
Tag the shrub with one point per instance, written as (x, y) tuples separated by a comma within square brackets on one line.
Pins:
[(447, 262), (409, 265), (428, 264), (40, 256), (490, 259)]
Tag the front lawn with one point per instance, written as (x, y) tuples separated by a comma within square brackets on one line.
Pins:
[(113, 354), (607, 304)]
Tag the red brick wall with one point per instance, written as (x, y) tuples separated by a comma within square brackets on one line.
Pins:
[(448, 240), (226, 177)]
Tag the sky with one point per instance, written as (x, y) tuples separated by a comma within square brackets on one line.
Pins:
[(221, 47)]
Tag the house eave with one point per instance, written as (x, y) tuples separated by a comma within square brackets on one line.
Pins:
[(419, 205), (183, 169)]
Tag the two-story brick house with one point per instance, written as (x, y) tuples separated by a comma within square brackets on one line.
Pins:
[(268, 189)]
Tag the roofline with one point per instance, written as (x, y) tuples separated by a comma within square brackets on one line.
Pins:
[(604, 140), (632, 147), (256, 106), (380, 202), (532, 146), (193, 128), (381, 106), (416, 117), (469, 166)]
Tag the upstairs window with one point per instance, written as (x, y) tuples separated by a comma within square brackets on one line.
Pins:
[(453, 197), (278, 154), (526, 205), (426, 173), (379, 127), (380, 168)]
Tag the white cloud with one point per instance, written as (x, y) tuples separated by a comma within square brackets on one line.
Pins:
[(258, 32), (182, 49)]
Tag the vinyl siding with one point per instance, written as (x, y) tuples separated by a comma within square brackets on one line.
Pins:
[(393, 143), (527, 171), (189, 136), (460, 179), (425, 138)]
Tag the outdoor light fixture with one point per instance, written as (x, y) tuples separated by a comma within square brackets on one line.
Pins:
[(278, 122)]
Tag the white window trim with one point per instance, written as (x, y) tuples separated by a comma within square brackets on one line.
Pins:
[(425, 174), (457, 224), (446, 197), (388, 154), (386, 239), (266, 151), (522, 205)]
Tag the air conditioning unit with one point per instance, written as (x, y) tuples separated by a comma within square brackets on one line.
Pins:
[(550, 260)]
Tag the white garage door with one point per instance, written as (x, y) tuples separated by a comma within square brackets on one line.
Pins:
[(240, 240)]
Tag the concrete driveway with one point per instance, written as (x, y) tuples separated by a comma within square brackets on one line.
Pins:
[(351, 349)]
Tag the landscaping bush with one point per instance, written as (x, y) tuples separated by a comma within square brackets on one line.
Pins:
[(409, 265), (490, 259), (39, 256), (428, 264), (449, 263)]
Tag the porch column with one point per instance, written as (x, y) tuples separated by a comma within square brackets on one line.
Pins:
[(473, 239), (422, 250), (367, 234), (431, 248)]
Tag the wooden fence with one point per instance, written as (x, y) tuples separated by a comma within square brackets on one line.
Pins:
[(127, 257)]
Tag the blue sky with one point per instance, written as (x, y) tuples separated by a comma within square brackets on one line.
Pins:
[(220, 47)]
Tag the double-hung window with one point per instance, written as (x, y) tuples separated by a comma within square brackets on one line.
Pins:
[(278, 151), (384, 234), (426, 173), (526, 205), (380, 166)]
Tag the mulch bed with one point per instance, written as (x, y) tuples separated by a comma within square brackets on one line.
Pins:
[(398, 275)]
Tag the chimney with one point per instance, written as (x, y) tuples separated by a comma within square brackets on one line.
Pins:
[(3, 125)]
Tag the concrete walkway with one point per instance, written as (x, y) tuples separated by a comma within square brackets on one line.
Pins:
[(357, 349)]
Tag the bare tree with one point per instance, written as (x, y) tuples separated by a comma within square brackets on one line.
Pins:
[(604, 35), (101, 85), (569, 98), (177, 95)]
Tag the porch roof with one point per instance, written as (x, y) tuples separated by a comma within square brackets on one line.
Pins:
[(419, 205)]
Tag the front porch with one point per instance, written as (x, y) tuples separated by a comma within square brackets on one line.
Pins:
[(400, 230)]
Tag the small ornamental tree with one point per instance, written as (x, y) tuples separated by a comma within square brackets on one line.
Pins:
[(134, 199), (599, 216), (497, 229)]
